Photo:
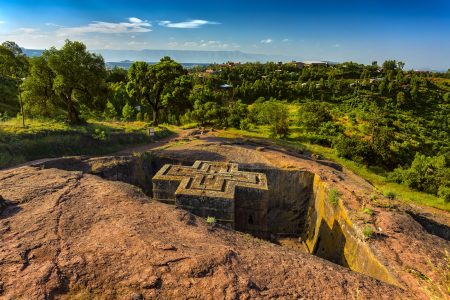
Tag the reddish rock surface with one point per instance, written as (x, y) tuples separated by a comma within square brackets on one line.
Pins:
[(64, 234)]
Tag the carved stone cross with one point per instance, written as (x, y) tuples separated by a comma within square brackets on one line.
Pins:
[(208, 188)]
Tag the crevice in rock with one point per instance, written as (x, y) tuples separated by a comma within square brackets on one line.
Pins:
[(62, 280), (432, 227)]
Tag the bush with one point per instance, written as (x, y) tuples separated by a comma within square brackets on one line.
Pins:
[(273, 113), (390, 195), (211, 220), (110, 111), (313, 114), (99, 134), (444, 193), (367, 232), (237, 112), (246, 124), (127, 112), (209, 113), (353, 148), (428, 174), (330, 129), (333, 196), (368, 211)]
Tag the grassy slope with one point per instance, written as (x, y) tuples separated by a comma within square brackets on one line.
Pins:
[(375, 176), (45, 138)]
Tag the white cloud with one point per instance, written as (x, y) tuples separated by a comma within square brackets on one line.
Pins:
[(134, 25), (187, 24), (190, 44), (172, 44), (26, 30), (286, 40), (53, 24), (135, 20), (267, 41), (337, 45), (2, 22), (207, 44), (135, 43)]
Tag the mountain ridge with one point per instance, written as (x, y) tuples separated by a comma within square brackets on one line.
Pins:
[(185, 56)]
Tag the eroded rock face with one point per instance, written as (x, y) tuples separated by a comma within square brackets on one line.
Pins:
[(66, 234)]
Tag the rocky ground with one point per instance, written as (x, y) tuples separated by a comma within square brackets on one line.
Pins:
[(69, 234)]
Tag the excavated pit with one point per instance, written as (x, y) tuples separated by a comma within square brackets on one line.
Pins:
[(298, 213)]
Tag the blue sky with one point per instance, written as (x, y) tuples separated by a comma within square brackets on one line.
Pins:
[(416, 32)]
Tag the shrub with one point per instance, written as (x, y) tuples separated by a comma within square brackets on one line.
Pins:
[(444, 193), (273, 113), (367, 232), (368, 211), (99, 134), (208, 113), (110, 111), (211, 220), (127, 112), (353, 148), (246, 124), (333, 196), (428, 174), (390, 195), (330, 129), (237, 112), (313, 114)]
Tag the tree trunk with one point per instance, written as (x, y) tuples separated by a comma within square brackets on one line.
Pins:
[(155, 117), (72, 113), (21, 106)]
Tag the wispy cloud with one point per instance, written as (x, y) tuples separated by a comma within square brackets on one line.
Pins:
[(207, 44), (286, 40), (132, 26), (26, 30), (187, 24), (267, 41), (2, 22), (52, 24), (135, 43), (337, 45)]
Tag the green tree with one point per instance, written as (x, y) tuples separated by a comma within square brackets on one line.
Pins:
[(110, 111), (429, 174), (401, 99), (38, 94), (127, 112), (14, 65), (236, 112), (313, 114), (79, 77), (152, 83), (273, 113)]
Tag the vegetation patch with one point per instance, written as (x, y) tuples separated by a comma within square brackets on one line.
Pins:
[(333, 196), (368, 232)]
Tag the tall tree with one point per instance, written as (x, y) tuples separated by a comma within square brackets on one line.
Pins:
[(38, 93), (80, 77), (151, 83), (14, 65)]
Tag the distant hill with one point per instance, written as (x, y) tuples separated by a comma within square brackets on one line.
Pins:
[(127, 63), (184, 56)]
